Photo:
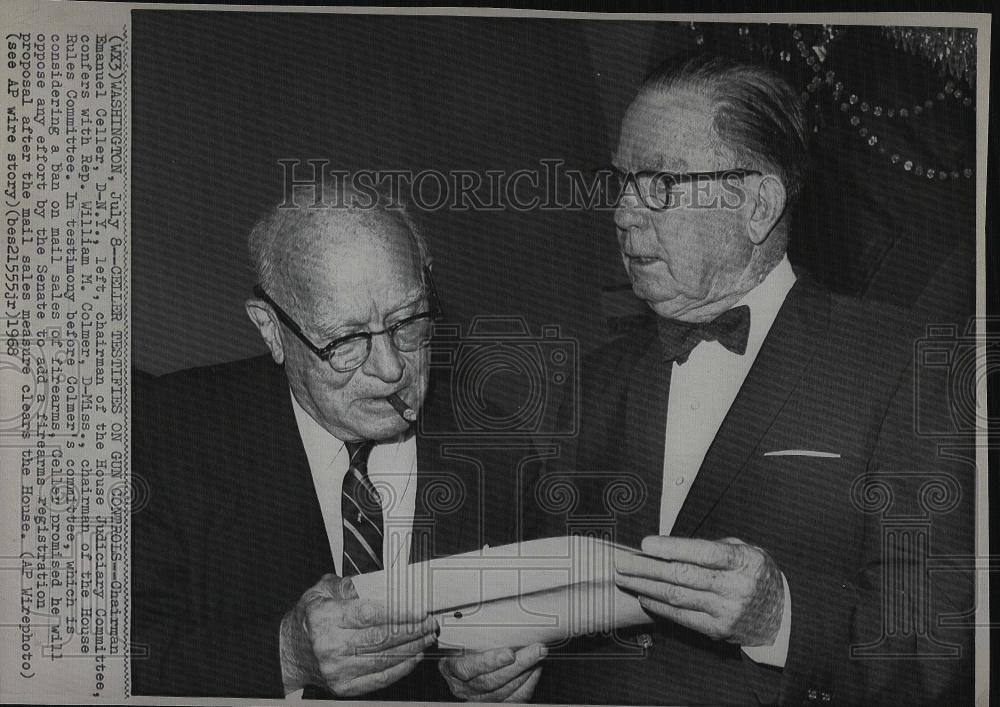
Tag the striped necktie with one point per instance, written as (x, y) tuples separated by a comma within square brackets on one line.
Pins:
[(361, 508)]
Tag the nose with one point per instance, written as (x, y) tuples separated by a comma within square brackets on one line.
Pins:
[(630, 213), (384, 361)]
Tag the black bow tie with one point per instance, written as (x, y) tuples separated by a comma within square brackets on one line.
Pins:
[(730, 329)]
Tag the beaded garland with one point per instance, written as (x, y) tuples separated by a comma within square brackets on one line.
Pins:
[(954, 48)]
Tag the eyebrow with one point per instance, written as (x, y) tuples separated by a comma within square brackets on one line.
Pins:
[(340, 329), (657, 163)]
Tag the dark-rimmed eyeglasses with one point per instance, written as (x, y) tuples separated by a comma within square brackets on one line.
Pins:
[(350, 352), (657, 189)]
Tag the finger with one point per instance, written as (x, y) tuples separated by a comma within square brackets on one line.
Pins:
[(386, 636), (674, 595), (469, 665), (524, 660), (330, 586), (505, 693), (446, 668), (359, 664), (397, 654), (681, 573), (344, 589), (706, 553), (696, 620), (360, 613), (524, 693), (364, 684)]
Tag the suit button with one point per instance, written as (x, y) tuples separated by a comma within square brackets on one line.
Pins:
[(813, 695), (826, 696), (645, 641)]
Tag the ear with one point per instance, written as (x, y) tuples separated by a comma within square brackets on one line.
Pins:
[(267, 324), (768, 208)]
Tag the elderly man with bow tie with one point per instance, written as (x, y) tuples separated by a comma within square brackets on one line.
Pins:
[(752, 417)]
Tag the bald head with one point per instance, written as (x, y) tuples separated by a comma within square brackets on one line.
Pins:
[(339, 273), (295, 252)]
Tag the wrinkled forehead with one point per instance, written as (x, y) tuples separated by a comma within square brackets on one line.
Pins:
[(339, 252), (668, 130)]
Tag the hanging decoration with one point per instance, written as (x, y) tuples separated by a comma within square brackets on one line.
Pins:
[(951, 49)]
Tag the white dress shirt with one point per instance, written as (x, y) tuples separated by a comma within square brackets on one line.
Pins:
[(702, 389), (392, 468)]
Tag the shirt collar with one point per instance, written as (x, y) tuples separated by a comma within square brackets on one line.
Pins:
[(765, 301), (322, 448)]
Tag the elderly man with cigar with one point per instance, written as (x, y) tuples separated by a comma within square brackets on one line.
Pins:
[(274, 480), (766, 427)]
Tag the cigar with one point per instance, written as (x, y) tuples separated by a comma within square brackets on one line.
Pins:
[(404, 410)]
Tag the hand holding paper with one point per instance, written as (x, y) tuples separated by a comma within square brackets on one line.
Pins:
[(349, 645), (497, 675), (727, 590), (540, 591)]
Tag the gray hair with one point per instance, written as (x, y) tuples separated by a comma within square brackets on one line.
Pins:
[(758, 116), (276, 231)]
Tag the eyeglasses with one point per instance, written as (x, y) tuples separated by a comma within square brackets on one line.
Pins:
[(350, 352), (656, 189)]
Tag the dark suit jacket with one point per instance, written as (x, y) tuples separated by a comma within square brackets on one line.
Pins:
[(832, 376), (232, 532)]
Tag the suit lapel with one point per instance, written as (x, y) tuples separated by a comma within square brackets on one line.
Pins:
[(786, 352), (439, 531), (444, 530), (421, 547), (645, 427), (287, 482)]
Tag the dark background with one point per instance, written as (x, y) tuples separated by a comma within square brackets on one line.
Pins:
[(219, 98)]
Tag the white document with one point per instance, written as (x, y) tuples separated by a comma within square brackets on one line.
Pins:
[(509, 596)]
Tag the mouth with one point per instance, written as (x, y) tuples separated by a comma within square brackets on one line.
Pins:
[(641, 260), (378, 401)]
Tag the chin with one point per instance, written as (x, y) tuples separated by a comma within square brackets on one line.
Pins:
[(664, 309), (670, 309), (384, 428), (663, 303)]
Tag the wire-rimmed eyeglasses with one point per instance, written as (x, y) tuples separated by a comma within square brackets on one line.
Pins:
[(350, 352), (657, 189)]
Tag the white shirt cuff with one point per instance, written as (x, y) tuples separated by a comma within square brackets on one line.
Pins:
[(776, 653)]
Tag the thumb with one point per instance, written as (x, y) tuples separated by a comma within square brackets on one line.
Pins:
[(343, 589)]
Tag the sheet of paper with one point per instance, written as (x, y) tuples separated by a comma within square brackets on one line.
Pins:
[(542, 590)]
